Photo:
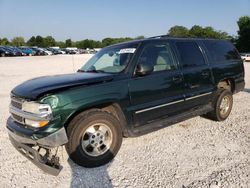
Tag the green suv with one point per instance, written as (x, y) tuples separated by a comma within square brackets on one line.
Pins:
[(124, 90)]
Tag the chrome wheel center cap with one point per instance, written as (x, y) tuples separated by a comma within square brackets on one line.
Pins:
[(96, 139)]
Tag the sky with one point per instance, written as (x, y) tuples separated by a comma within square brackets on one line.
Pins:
[(98, 19)]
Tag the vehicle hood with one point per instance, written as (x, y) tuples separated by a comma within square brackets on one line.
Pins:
[(35, 88)]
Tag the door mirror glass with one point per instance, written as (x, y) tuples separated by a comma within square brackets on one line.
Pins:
[(144, 69)]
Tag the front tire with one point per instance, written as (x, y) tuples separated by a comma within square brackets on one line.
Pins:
[(95, 137), (222, 106)]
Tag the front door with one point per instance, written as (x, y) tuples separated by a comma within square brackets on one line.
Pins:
[(159, 94)]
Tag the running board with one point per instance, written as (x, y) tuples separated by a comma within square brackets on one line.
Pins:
[(156, 125)]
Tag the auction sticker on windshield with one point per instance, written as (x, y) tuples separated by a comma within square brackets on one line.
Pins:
[(127, 50)]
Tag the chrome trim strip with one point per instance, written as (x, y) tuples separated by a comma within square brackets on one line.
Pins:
[(196, 96), (27, 115), (174, 102), (159, 106)]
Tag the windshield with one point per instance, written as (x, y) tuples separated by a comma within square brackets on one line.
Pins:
[(110, 60)]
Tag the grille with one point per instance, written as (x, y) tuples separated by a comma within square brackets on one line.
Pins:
[(16, 102), (17, 118)]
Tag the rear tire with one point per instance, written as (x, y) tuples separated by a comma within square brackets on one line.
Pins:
[(223, 104), (2, 54), (95, 137)]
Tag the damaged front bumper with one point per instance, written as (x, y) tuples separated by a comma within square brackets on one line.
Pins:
[(22, 139)]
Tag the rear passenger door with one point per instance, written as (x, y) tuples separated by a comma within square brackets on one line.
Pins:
[(196, 72)]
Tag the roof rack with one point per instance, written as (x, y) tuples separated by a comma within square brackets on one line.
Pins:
[(169, 36), (159, 36)]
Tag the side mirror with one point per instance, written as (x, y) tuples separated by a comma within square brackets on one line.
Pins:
[(143, 69)]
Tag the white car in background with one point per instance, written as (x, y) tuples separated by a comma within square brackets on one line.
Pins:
[(58, 49), (47, 52), (245, 57), (62, 52)]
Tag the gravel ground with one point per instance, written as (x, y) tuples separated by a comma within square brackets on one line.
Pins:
[(194, 153)]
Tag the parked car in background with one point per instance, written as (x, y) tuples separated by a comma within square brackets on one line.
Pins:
[(83, 51), (46, 52), (88, 51), (17, 50), (56, 51), (38, 51), (245, 56), (27, 51), (70, 51), (10, 52), (14, 52), (4, 52), (92, 51), (62, 52)]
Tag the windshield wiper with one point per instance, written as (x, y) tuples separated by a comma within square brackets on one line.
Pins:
[(80, 70)]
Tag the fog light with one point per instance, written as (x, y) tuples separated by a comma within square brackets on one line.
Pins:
[(36, 124)]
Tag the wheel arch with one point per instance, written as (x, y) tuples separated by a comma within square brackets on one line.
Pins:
[(228, 83), (110, 107)]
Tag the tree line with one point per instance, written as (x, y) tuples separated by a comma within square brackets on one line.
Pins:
[(49, 41), (242, 40)]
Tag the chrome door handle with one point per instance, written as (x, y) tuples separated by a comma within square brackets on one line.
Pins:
[(205, 74)]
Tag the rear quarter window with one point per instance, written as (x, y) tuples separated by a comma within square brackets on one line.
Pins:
[(221, 51)]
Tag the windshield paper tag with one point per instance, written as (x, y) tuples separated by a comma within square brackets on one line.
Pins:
[(127, 51)]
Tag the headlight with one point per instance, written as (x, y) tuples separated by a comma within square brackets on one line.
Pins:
[(37, 108), (43, 111)]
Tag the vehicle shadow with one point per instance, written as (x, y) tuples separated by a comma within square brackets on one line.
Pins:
[(246, 90), (89, 177)]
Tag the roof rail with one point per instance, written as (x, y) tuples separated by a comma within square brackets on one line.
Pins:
[(159, 36), (169, 36)]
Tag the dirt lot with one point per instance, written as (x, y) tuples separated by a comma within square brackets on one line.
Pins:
[(194, 153)]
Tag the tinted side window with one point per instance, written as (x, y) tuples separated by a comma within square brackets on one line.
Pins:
[(221, 51), (159, 56), (190, 54)]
